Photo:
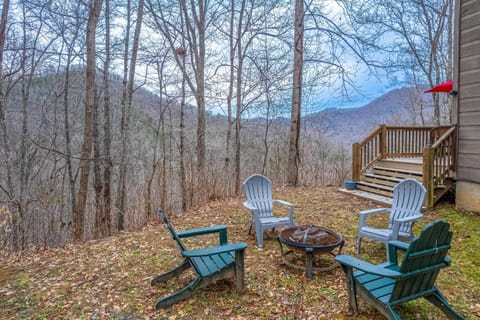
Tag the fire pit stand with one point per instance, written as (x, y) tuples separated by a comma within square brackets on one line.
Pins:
[(309, 240)]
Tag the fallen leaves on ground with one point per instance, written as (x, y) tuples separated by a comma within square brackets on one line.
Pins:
[(110, 278)]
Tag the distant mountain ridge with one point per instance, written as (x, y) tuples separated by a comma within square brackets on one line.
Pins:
[(397, 107)]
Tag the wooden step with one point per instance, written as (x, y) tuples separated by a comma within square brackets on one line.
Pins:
[(379, 179), (375, 188), (397, 173), (382, 200), (413, 164)]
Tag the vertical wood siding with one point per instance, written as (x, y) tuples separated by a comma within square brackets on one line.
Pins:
[(467, 78)]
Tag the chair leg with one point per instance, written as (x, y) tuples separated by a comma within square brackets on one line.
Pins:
[(259, 232), (178, 296), (352, 292), (240, 271), (359, 244), (440, 302), (170, 274)]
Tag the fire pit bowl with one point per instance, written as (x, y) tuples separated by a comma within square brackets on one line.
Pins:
[(310, 240)]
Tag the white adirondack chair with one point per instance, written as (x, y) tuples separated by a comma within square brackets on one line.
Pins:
[(258, 190), (408, 197)]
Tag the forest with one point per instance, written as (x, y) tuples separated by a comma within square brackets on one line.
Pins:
[(110, 109)]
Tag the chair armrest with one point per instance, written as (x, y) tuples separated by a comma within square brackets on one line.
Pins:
[(283, 202), (397, 223), (286, 204), (200, 231), (221, 229), (365, 213), (393, 246), (358, 264), (215, 250), (374, 211), (398, 245)]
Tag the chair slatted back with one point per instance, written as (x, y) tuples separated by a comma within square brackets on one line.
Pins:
[(258, 191), (408, 197), (171, 230), (425, 256)]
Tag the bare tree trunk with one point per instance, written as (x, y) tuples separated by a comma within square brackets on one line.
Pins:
[(228, 136), (267, 128), (101, 223), (3, 123), (239, 102), (3, 34), (183, 179), (121, 188), (68, 139), (24, 174), (107, 134), (159, 138), (126, 121), (79, 211), (294, 147), (196, 34)]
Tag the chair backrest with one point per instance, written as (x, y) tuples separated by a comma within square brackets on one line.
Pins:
[(424, 258), (258, 190), (171, 230), (408, 197)]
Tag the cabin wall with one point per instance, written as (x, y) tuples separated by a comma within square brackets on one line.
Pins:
[(467, 103)]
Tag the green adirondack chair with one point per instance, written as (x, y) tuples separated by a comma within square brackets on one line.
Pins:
[(209, 264), (389, 284)]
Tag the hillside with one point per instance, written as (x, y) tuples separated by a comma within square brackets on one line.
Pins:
[(396, 107)]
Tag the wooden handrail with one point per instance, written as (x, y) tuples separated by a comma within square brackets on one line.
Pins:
[(435, 144), (367, 152), (439, 163), (389, 141)]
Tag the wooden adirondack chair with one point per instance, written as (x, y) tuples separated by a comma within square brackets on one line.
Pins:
[(209, 264), (389, 284), (258, 190), (408, 197)]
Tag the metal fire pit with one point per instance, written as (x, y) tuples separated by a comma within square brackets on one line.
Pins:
[(310, 240)]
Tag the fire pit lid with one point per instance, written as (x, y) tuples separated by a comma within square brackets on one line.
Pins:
[(310, 236)]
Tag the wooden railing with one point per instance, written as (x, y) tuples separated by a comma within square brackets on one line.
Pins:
[(435, 144), (439, 162), (389, 142)]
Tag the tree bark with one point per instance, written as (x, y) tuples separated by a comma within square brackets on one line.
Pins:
[(294, 146), (79, 210), (107, 134), (3, 122), (239, 102), (128, 108), (183, 179)]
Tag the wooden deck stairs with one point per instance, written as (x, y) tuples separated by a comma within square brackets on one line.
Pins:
[(391, 154)]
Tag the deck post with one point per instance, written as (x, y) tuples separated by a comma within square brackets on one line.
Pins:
[(356, 162), (428, 183), (383, 140)]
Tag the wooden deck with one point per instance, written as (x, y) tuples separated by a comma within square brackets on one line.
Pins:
[(391, 154)]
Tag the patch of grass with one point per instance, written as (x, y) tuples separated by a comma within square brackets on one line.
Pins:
[(22, 280)]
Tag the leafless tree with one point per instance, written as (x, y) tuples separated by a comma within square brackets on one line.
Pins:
[(195, 18), (295, 120), (105, 220), (126, 110), (95, 8)]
